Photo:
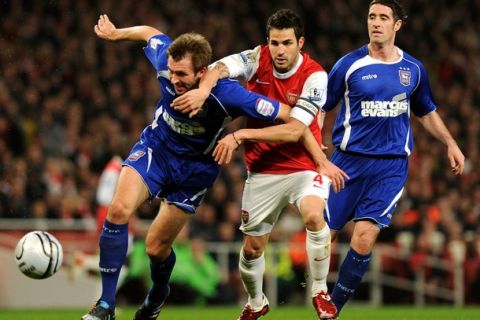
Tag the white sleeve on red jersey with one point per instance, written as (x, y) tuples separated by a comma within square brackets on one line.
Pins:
[(243, 64), (312, 98)]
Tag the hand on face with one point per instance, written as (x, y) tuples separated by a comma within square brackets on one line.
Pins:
[(190, 102)]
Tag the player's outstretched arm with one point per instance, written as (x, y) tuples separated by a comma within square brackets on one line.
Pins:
[(435, 125), (106, 30), (291, 131), (288, 132), (192, 101)]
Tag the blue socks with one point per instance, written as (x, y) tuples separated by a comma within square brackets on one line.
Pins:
[(113, 251), (160, 273), (349, 277)]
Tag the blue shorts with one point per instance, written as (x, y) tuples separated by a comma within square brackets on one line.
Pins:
[(371, 193), (180, 181)]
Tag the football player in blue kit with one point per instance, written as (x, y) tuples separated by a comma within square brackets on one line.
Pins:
[(172, 160), (379, 85)]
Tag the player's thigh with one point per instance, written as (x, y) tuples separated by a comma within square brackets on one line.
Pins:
[(309, 194), (164, 229), (264, 197), (380, 204), (192, 184), (341, 206), (130, 192), (383, 192)]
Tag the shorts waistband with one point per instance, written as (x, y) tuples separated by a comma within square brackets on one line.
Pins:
[(373, 156)]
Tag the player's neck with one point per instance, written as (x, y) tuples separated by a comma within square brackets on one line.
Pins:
[(383, 52)]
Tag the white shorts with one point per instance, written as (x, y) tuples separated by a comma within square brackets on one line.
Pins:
[(265, 196)]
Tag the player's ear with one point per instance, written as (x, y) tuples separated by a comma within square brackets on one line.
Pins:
[(398, 25), (202, 71), (301, 42)]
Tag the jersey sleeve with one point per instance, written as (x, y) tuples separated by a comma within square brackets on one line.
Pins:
[(156, 51), (312, 98), (243, 64), (421, 101), (336, 85), (238, 101)]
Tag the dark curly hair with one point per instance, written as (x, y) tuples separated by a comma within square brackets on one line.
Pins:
[(285, 19)]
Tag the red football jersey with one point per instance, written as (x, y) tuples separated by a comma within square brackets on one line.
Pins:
[(283, 158)]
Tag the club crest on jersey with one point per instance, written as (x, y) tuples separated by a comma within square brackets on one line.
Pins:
[(405, 76), (292, 97), (136, 155), (264, 107), (245, 216)]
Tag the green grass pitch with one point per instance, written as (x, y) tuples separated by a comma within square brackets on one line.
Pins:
[(280, 313)]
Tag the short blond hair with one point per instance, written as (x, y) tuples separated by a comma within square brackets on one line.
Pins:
[(194, 44)]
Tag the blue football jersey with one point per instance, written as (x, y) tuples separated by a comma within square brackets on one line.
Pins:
[(196, 137), (377, 97)]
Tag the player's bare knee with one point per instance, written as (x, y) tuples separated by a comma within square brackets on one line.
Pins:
[(311, 209), (252, 253), (118, 213), (314, 221), (157, 250), (364, 241)]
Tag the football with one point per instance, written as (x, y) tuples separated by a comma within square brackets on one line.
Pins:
[(39, 255)]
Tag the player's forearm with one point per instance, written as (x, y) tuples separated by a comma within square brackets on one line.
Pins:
[(210, 79), (435, 125), (312, 146), (321, 119), (137, 33), (283, 113), (282, 133)]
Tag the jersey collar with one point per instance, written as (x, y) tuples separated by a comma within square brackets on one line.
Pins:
[(400, 53), (288, 74)]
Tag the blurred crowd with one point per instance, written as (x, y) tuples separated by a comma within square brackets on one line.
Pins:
[(69, 102)]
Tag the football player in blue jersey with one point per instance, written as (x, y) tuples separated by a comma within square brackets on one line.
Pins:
[(172, 159), (379, 85)]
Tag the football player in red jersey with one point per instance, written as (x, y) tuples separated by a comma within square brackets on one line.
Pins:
[(280, 169)]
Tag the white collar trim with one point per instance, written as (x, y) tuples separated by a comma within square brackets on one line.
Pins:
[(288, 74)]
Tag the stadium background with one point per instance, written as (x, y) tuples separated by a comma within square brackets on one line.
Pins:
[(68, 102)]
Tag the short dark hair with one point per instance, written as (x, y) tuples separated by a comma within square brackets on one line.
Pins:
[(397, 8), (285, 19), (194, 44)]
